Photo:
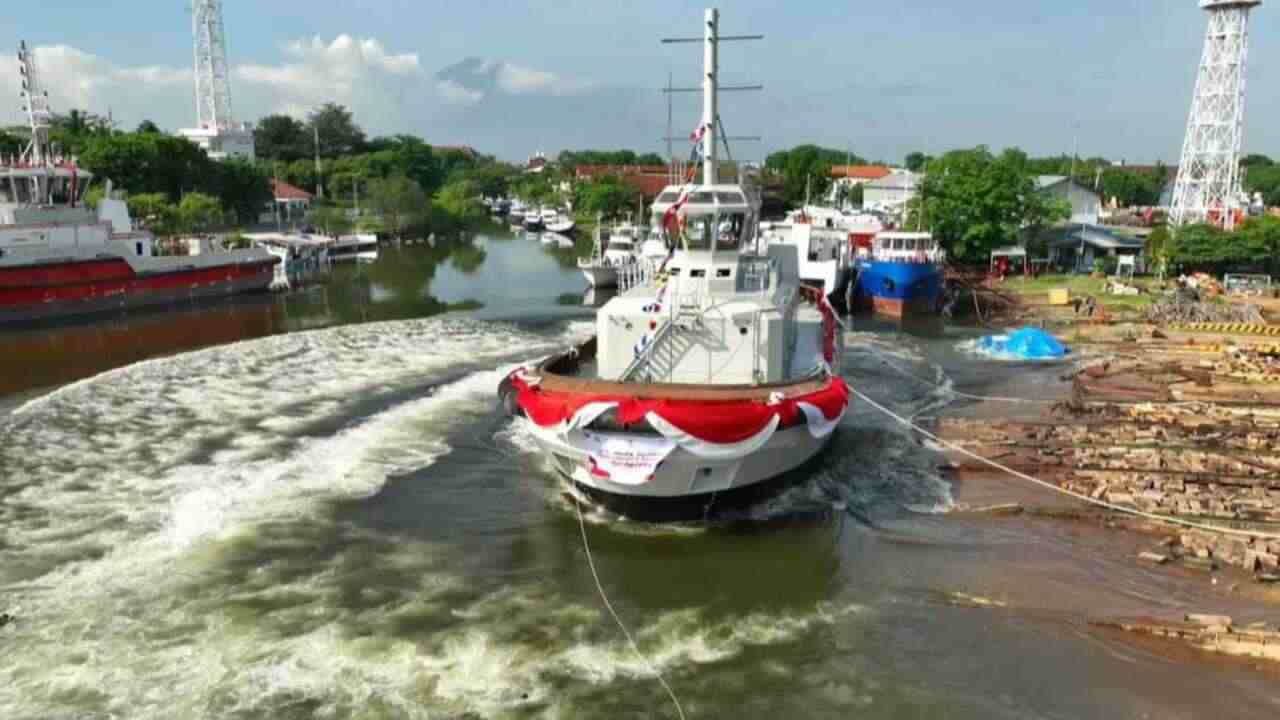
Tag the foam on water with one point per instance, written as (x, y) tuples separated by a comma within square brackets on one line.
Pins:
[(168, 542), (120, 489)]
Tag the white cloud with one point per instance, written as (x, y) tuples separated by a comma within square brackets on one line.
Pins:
[(388, 92), (455, 94), (359, 73), (76, 79), (519, 80)]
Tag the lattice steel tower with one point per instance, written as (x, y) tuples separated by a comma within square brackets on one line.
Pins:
[(215, 131), (1208, 186), (213, 89)]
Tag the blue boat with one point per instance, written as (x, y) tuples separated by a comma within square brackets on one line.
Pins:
[(902, 274)]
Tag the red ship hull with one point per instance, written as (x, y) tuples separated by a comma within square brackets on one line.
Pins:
[(68, 288)]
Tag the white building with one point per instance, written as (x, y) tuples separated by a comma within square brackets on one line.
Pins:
[(893, 191), (1086, 205), (224, 143)]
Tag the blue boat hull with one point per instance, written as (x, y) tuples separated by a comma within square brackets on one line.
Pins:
[(899, 288)]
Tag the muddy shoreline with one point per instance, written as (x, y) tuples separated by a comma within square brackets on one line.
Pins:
[(1174, 421)]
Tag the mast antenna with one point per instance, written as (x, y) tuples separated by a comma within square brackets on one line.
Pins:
[(711, 88), (36, 105)]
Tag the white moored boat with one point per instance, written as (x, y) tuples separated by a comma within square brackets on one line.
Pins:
[(705, 381), (607, 258), (559, 222), (361, 247)]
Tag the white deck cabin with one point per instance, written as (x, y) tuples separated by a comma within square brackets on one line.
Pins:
[(909, 247), (714, 315)]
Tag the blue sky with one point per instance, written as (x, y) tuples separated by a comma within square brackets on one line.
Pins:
[(881, 78)]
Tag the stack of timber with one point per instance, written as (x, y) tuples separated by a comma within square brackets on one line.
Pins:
[(1190, 438)]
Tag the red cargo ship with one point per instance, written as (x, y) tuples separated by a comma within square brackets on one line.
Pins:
[(59, 257)]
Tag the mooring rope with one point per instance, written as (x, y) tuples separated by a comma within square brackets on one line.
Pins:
[(1071, 493), (958, 393), (582, 524)]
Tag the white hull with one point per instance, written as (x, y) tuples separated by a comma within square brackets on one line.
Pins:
[(561, 227), (364, 256), (685, 475)]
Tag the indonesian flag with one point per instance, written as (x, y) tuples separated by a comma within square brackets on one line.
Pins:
[(695, 137), (669, 217)]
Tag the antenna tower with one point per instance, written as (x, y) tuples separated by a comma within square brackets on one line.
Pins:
[(36, 105), (213, 89), (712, 127), (1208, 185)]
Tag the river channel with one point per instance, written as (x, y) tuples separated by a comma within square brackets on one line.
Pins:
[(309, 505)]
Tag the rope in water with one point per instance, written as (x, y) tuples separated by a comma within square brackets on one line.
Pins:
[(582, 524), (958, 393), (1071, 493)]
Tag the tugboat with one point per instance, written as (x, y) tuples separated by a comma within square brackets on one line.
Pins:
[(710, 379), (59, 257)]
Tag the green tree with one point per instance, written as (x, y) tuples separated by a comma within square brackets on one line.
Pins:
[(1132, 187), (807, 170), (976, 202), (148, 163), (1264, 178), (153, 211), (339, 134), (1260, 243), (280, 137), (11, 145), (534, 189), (199, 212), (459, 202), (491, 179), (400, 202), (332, 221), (1199, 247), (607, 195), (1157, 248), (242, 187), (146, 126), (916, 161)]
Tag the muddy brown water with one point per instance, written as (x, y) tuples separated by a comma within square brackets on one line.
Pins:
[(310, 505)]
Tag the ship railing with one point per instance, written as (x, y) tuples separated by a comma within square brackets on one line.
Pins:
[(646, 356), (641, 273), (927, 257)]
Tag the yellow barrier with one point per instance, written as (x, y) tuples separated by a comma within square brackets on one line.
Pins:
[(1230, 328)]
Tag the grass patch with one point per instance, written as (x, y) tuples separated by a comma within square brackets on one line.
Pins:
[(1079, 286)]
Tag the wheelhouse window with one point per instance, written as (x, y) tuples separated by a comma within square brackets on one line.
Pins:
[(729, 231)]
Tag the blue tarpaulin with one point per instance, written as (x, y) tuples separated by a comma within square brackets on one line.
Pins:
[(1027, 344)]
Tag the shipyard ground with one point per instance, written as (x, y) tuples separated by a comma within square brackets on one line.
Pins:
[(1178, 421)]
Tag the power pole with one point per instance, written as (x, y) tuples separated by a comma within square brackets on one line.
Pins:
[(319, 175)]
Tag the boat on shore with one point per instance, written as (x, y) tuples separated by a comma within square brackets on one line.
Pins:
[(60, 258), (709, 380), (900, 274)]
